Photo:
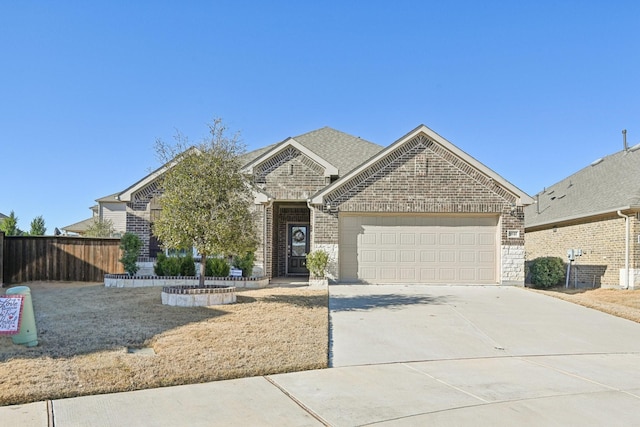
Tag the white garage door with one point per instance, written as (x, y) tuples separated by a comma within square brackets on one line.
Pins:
[(418, 249)]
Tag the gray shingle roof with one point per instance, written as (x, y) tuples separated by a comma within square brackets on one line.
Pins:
[(607, 185), (342, 150)]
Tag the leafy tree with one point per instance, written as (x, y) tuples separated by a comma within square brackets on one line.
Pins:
[(10, 225), (100, 228), (130, 245), (37, 226), (206, 200)]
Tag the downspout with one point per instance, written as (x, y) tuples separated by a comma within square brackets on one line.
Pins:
[(627, 229)]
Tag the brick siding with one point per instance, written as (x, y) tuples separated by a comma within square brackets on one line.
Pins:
[(602, 241)]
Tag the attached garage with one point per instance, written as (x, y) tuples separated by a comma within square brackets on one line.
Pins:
[(409, 249)]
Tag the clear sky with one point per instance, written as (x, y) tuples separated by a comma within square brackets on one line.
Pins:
[(535, 90)]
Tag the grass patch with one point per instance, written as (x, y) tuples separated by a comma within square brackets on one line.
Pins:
[(88, 336), (618, 302)]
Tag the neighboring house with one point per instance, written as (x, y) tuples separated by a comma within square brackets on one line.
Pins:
[(81, 227), (596, 211), (418, 211)]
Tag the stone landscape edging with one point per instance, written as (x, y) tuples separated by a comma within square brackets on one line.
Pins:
[(126, 281)]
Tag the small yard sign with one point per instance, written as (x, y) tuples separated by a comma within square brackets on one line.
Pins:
[(10, 314)]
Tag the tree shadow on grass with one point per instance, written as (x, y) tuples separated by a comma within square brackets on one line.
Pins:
[(72, 322), (389, 301), (306, 301)]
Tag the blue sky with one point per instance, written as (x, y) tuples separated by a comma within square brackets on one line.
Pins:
[(535, 90)]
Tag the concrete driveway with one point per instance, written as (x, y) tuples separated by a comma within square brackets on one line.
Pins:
[(466, 355)]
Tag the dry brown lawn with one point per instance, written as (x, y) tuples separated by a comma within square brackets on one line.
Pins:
[(621, 303), (88, 336)]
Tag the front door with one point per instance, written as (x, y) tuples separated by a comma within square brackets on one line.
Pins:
[(297, 248)]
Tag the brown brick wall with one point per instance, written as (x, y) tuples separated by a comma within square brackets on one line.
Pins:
[(602, 242), (423, 178), (290, 176)]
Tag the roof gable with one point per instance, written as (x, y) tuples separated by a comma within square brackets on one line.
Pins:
[(607, 185), (337, 151), (481, 173), (290, 144)]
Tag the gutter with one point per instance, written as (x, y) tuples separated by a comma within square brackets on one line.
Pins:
[(626, 248)]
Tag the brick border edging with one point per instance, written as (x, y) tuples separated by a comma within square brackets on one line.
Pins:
[(126, 281)]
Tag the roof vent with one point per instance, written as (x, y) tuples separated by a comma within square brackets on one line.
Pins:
[(597, 161)]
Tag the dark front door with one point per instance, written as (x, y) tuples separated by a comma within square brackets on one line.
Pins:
[(297, 248)]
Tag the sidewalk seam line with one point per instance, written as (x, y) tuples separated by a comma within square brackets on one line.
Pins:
[(446, 383), (50, 420), (297, 402)]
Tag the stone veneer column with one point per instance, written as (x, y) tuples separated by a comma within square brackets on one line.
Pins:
[(512, 266)]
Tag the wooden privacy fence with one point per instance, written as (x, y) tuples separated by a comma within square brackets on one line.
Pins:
[(57, 258)]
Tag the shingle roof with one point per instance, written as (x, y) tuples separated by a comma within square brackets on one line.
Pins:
[(80, 227), (3, 216), (607, 185), (342, 150)]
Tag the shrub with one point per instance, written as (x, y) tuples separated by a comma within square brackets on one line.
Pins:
[(547, 272), (217, 267), (244, 263), (160, 261), (317, 262), (168, 266), (187, 265), (130, 245)]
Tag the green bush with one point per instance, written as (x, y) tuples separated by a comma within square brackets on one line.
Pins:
[(160, 261), (170, 266), (244, 263), (187, 265), (547, 272), (317, 262), (130, 245), (217, 267)]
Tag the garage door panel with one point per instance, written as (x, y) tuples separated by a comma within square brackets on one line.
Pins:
[(388, 256), (467, 239), (447, 256), (408, 256), (467, 256), (388, 238), (407, 239), (368, 256), (428, 239), (447, 239), (419, 249), (427, 256)]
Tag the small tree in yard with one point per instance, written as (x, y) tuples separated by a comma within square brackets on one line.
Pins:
[(206, 199), (100, 228), (130, 245), (37, 227), (10, 225)]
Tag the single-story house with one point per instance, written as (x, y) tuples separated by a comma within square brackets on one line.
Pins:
[(417, 211), (594, 212)]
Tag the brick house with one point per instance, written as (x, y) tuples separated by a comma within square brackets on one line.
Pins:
[(595, 211), (418, 211)]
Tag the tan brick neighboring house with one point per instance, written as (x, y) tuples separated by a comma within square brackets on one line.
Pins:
[(418, 211), (595, 211)]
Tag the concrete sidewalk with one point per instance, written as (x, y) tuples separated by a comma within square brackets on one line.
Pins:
[(411, 356)]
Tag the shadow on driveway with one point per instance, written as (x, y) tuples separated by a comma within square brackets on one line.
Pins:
[(339, 303)]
